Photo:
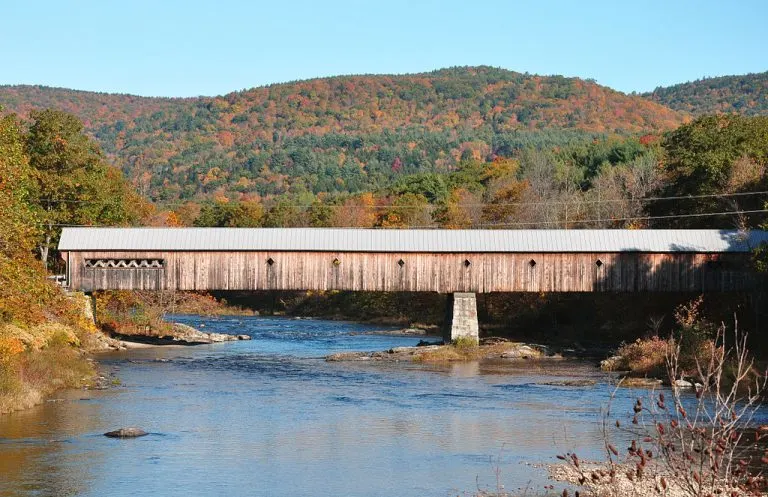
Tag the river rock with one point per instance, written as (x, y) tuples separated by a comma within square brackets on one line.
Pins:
[(349, 356), (521, 352), (243, 337), (681, 383), (411, 332), (570, 383), (613, 363), (130, 432)]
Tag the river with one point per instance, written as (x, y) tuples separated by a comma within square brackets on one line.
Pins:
[(269, 417)]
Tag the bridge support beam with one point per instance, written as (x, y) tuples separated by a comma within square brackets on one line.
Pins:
[(461, 317)]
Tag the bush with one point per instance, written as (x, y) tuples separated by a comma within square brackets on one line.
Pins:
[(644, 357), (693, 335)]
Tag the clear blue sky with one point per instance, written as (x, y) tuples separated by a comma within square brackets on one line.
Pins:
[(186, 48)]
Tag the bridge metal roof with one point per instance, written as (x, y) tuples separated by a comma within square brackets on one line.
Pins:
[(392, 240)]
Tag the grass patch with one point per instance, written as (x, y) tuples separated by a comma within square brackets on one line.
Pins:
[(468, 350), (28, 376)]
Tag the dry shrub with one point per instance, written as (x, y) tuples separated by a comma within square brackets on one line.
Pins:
[(128, 313), (684, 443), (645, 357), (694, 336)]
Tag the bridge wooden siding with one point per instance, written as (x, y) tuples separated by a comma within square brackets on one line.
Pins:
[(418, 271), (446, 261)]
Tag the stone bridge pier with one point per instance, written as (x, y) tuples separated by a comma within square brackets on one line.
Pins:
[(461, 317)]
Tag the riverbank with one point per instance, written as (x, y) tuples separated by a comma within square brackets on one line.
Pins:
[(46, 351)]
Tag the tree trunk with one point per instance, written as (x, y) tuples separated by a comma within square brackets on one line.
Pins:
[(44, 248)]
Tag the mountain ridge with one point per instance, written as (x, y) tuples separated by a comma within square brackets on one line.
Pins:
[(745, 94), (361, 130)]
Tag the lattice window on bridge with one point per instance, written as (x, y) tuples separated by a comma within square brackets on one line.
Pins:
[(599, 263), (532, 263), (124, 263)]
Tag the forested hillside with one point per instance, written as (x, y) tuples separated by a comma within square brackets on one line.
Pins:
[(343, 134), (746, 95)]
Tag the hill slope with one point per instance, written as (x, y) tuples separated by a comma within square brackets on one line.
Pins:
[(746, 95), (343, 133)]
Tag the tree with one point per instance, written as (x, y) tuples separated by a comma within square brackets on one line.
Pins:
[(23, 288), (73, 183), (714, 155), (320, 215), (284, 214), (231, 215), (407, 211), (17, 219), (461, 210)]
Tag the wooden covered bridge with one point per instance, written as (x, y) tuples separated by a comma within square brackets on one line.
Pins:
[(457, 262)]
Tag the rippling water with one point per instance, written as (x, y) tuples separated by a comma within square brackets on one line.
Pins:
[(269, 417)]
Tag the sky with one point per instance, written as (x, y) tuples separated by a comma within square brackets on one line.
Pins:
[(189, 48)]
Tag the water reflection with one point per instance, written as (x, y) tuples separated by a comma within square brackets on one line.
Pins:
[(270, 417)]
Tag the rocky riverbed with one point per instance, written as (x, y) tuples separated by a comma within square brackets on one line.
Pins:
[(181, 334)]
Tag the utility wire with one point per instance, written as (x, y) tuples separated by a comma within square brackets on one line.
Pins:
[(500, 204), (530, 223)]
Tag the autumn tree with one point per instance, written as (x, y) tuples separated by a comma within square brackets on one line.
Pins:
[(22, 278), (462, 209), (409, 210), (358, 211)]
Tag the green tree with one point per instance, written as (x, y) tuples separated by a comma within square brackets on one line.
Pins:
[(231, 215), (320, 215), (285, 214), (714, 155), (73, 183), (701, 154)]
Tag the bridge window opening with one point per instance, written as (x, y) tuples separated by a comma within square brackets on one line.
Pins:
[(336, 262), (124, 263), (532, 263), (467, 263), (401, 263), (270, 261), (599, 263)]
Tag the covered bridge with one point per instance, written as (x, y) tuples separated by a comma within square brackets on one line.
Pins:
[(446, 261)]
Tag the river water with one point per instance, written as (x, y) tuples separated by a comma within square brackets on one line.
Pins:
[(269, 417)]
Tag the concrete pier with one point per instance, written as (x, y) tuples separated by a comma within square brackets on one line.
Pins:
[(461, 317)]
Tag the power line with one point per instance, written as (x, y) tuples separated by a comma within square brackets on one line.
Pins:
[(528, 223), (500, 204), (614, 219)]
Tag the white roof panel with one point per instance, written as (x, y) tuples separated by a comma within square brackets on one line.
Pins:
[(384, 240)]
